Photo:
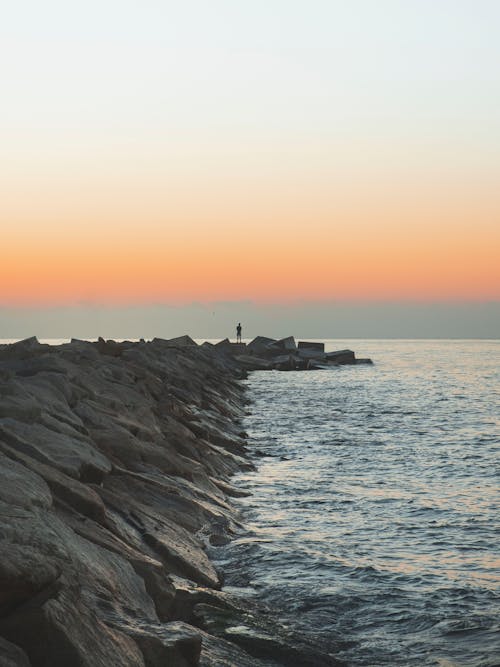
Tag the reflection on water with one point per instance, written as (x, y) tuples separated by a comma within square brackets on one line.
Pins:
[(374, 512)]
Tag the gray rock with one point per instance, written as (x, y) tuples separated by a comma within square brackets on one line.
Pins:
[(180, 341), (311, 353), (341, 357), (287, 344), (12, 656), (309, 345), (260, 344), (252, 363)]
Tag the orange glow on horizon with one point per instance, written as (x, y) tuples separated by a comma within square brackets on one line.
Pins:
[(411, 236), (253, 263)]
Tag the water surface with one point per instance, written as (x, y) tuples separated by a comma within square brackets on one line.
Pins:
[(373, 520)]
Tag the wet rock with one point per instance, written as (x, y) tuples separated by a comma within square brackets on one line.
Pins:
[(259, 633), (217, 652)]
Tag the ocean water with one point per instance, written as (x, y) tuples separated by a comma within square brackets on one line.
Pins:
[(373, 522)]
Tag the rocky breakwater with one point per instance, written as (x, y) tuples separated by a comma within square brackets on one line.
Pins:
[(286, 355), (115, 467)]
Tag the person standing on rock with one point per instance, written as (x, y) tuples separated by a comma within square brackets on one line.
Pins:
[(238, 333)]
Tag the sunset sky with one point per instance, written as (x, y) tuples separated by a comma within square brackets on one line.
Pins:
[(171, 152)]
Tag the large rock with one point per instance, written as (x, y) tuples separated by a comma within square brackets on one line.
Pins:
[(341, 357), (310, 345), (311, 353), (180, 341), (260, 344), (250, 625), (12, 656), (251, 363), (285, 344)]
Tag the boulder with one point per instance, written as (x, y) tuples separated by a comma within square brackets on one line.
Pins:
[(341, 357), (23, 348), (286, 344), (12, 656), (175, 644), (284, 362), (74, 456), (254, 628), (260, 344), (309, 345), (251, 363), (231, 348), (318, 365), (60, 630), (109, 347), (180, 341), (311, 353)]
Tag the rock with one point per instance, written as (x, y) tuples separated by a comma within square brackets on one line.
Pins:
[(109, 347), (75, 456), (79, 496), (252, 363), (308, 345), (180, 341), (218, 652), (230, 348), (260, 344), (284, 362), (12, 656), (22, 348), (287, 344), (341, 357), (257, 631), (225, 343), (173, 644), (20, 487), (306, 353), (315, 365), (61, 631)]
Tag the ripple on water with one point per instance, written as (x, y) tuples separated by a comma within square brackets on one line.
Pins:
[(378, 531)]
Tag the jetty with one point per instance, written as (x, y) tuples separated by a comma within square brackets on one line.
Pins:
[(286, 354), (116, 461)]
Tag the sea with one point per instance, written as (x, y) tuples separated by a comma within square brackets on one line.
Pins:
[(372, 526)]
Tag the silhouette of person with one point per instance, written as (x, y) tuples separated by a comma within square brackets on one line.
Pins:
[(238, 333)]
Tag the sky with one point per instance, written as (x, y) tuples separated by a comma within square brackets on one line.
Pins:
[(276, 152)]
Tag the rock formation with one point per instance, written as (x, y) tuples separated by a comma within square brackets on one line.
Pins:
[(115, 473), (285, 355)]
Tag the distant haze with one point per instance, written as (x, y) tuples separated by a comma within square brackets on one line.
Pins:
[(218, 320)]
